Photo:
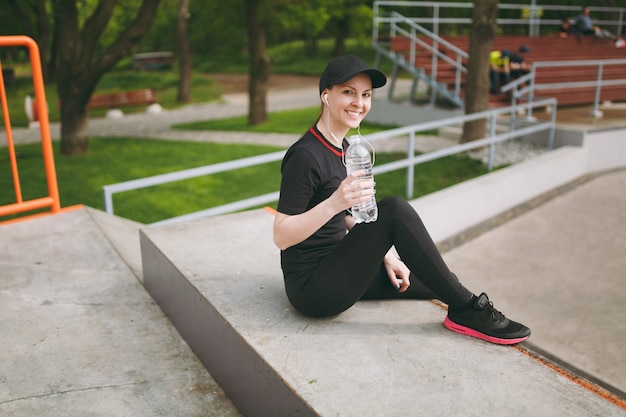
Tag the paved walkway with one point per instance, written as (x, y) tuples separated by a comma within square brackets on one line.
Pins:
[(83, 338), (159, 126)]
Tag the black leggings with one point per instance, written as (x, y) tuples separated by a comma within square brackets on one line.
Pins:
[(354, 269)]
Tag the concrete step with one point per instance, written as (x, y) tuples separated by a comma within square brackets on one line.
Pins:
[(219, 281), (80, 335)]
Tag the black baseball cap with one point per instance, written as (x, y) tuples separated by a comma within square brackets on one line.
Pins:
[(341, 69)]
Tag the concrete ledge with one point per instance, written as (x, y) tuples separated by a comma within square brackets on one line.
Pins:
[(605, 150), (454, 209), (123, 235), (220, 283), (205, 322), (80, 336), (457, 208)]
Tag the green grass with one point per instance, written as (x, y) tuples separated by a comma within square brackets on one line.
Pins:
[(293, 58), (290, 121), (109, 161)]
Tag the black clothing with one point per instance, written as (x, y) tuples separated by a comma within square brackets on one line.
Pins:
[(567, 30), (515, 58), (331, 270), (312, 169), (516, 61)]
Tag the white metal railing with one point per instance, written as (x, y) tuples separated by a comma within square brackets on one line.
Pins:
[(412, 29), (109, 190), (438, 49), (528, 87), (531, 15), (411, 160)]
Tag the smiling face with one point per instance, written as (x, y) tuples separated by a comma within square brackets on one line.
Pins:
[(348, 103)]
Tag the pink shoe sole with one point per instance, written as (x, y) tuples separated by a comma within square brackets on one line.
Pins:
[(473, 333)]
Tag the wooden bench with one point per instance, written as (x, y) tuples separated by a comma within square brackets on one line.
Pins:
[(113, 101), (545, 48), (125, 99), (153, 61)]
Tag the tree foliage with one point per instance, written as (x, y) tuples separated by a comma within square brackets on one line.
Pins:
[(96, 35), (316, 19), (80, 40), (215, 26)]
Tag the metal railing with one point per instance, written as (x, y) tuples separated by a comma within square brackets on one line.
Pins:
[(532, 16), (492, 118), (438, 49), (109, 190), (527, 87), (443, 51)]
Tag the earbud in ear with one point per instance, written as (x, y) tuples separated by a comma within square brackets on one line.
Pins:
[(326, 99)]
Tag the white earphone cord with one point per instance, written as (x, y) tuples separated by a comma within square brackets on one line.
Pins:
[(328, 126), (358, 130)]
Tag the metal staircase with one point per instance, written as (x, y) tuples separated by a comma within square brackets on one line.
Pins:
[(407, 41)]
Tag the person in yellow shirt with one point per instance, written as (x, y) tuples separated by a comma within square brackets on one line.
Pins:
[(499, 69)]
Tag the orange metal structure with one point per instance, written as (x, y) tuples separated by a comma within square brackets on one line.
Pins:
[(52, 200)]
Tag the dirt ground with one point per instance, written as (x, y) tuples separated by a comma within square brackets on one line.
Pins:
[(238, 83)]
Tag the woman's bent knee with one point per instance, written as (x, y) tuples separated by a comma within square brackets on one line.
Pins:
[(398, 209), (395, 207)]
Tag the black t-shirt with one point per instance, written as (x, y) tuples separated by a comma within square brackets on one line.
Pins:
[(312, 169)]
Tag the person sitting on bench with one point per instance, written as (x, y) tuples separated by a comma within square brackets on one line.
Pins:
[(499, 69), (584, 25)]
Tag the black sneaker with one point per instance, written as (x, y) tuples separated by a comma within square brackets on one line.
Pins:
[(483, 321)]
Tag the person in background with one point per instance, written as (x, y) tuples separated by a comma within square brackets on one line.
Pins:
[(329, 261), (584, 25), (565, 28), (499, 70), (519, 66)]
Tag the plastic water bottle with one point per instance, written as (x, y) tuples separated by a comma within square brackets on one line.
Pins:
[(357, 157)]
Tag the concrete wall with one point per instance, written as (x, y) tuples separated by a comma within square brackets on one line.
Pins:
[(457, 208), (605, 150)]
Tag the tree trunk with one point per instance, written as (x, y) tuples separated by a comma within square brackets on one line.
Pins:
[(81, 63), (482, 35), (184, 53), (74, 138), (260, 65), (74, 128), (342, 32)]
